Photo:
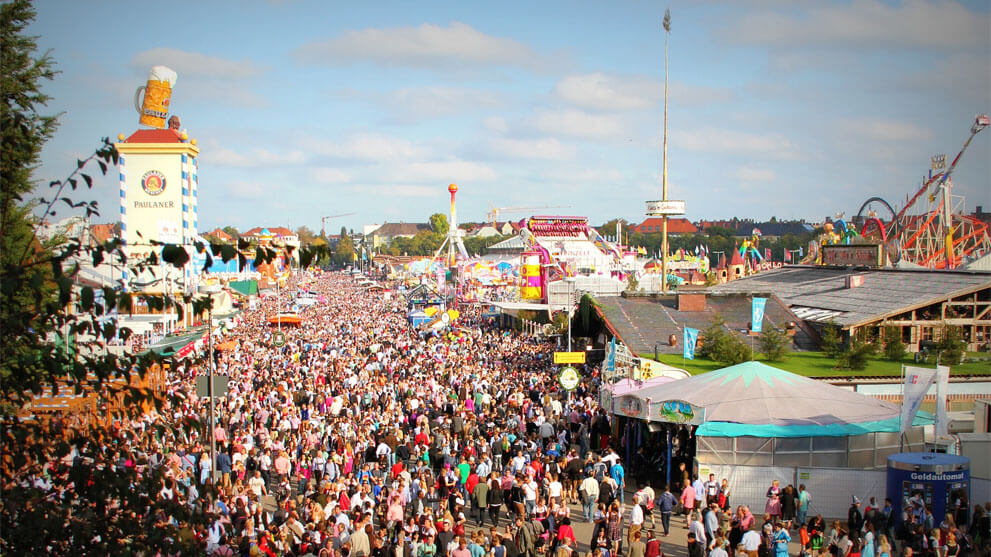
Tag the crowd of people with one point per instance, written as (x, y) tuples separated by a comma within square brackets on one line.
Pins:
[(356, 435)]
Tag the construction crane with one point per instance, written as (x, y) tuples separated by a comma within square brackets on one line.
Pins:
[(493, 215), (323, 222)]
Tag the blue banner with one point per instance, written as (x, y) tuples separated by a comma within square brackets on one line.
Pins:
[(757, 314), (611, 356), (691, 339)]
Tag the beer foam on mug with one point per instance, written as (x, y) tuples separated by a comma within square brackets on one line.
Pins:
[(163, 73)]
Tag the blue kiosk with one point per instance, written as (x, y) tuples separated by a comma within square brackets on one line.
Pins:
[(934, 479)]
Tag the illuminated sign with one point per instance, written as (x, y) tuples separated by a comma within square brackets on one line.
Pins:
[(569, 378)]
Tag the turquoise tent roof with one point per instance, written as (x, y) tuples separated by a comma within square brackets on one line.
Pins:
[(755, 399)]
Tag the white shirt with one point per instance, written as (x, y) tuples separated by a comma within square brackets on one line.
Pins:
[(718, 552), (751, 540), (636, 515)]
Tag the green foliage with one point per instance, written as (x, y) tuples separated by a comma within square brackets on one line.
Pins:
[(894, 348), (439, 224), (344, 252), (857, 354), (774, 344), (951, 347), (831, 343), (719, 344)]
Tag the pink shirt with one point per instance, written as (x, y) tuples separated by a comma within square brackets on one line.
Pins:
[(688, 497)]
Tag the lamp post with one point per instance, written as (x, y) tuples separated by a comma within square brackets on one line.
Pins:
[(571, 285), (210, 291)]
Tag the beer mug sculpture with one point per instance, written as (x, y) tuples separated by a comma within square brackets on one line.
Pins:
[(154, 108)]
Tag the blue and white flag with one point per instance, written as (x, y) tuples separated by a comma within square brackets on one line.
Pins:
[(691, 339), (611, 357), (757, 314), (917, 383)]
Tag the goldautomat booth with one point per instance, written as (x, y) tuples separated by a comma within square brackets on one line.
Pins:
[(936, 479)]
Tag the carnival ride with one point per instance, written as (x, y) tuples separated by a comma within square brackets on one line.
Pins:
[(931, 230)]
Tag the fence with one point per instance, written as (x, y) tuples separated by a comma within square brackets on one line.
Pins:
[(831, 488)]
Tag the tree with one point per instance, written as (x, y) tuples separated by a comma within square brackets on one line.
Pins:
[(831, 344), (720, 345), (344, 253), (774, 344), (857, 354), (305, 235), (951, 347), (439, 224), (232, 232), (894, 348)]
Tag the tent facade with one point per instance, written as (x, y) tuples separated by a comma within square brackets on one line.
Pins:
[(754, 414)]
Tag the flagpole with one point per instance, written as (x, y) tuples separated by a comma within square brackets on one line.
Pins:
[(901, 435)]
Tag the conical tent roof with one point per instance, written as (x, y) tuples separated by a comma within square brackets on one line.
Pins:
[(759, 400)]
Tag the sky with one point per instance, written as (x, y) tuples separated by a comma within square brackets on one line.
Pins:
[(303, 109)]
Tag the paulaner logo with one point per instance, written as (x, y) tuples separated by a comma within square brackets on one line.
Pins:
[(153, 182)]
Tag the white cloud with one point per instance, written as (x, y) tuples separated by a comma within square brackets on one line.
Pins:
[(599, 91), (443, 172), (576, 123), (495, 124), (593, 175), (755, 174), (913, 23), (369, 147), (718, 140), (604, 92), (545, 149), (425, 46), (441, 101), (247, 190), (325, 175), (880, 129), (392, 190), (187, 63), (255, 157)]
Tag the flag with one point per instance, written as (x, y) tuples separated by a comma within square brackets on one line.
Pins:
[(691, 338), (917, 383), (801, 252), (611, 357), (942, 389), (787, 255), (767, 253), (757, 314)]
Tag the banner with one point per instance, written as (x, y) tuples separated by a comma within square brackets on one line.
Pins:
[(691, 338), (787, 256), (757, 314), (611, 356), (917, 383), (942, 389)]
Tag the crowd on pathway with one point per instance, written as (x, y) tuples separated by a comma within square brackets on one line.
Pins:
[(362, 437)]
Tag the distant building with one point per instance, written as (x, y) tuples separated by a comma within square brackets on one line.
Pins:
[(221, 236), (676, 226), (384, 234), (770, 230)]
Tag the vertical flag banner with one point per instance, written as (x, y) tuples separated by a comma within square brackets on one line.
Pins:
[(611, 357), (801, 251), (767, 253), (757, 314), (691, 338), (917, 383), (787, 256), (942, 389)]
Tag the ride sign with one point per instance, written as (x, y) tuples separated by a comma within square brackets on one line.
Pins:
[(665, 207), (279, 339), (569, 378)]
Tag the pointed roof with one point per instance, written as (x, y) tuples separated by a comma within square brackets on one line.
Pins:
[(154, 136), (737, 258), (721, 265)]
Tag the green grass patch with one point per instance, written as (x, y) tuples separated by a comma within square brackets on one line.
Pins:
[(817, 364)]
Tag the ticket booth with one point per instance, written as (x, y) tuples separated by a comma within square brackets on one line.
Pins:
[(935, 479)]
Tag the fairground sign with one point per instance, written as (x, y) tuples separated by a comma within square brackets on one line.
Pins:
[(853, 255), (664, 208)]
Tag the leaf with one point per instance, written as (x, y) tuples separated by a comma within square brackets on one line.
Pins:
[(97, 256), (88, 180), (175, 255), (103, 166), (86, 298), (73, 182), (80, 163)]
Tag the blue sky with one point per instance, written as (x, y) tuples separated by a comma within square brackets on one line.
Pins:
[(797, 109)]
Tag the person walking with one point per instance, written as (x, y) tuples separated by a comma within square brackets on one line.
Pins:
[(588, 492), (667, 503), (804, 499)]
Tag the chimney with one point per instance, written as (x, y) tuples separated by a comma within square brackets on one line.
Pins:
[(853, 281)]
